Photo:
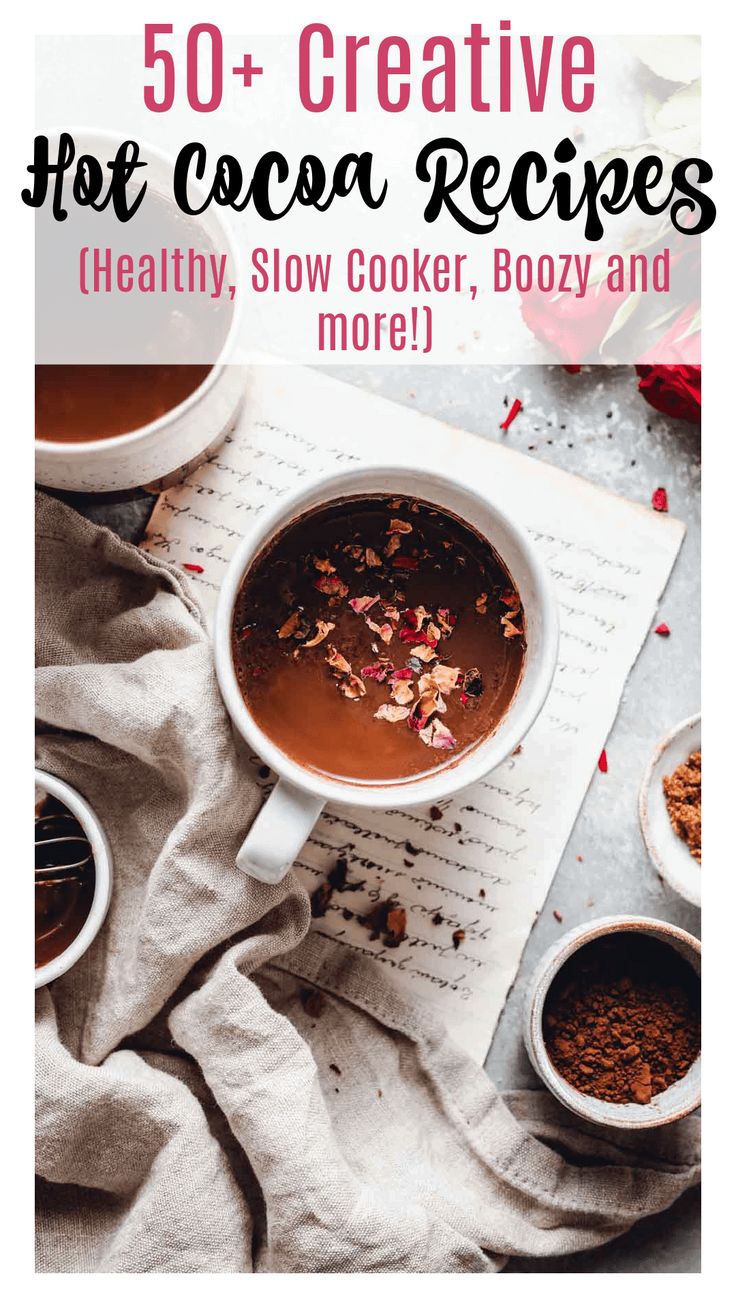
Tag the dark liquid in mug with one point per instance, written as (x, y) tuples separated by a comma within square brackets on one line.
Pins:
[(94, 402), (65, 879), (377, 639)]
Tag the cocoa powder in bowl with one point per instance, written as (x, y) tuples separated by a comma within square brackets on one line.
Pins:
[(621, 1020)]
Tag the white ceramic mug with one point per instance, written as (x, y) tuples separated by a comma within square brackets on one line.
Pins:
[(287, 817), (167, 449)]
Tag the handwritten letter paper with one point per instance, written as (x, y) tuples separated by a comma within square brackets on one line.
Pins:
[(485, 866)]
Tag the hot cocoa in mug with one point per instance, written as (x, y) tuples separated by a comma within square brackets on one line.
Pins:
[(378, 638), (385, 636)]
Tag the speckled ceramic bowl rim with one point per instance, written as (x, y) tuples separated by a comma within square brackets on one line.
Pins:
[(56, 967), (598, 1111), (665, 872)]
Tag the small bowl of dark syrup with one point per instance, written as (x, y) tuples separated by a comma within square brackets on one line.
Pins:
[(73, 877)]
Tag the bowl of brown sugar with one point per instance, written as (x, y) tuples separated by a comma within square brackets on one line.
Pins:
[(612, 1022), (670, 809)]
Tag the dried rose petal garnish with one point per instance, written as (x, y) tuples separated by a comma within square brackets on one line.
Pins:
[(659, 500), (662, 630), (391, 713), (336, 661), (323, 630), (377, 671), (402, 692), (324, 565), (402, 674), (372, 559), (331, 586), (397, 526), (394, 544), (289, 627), (603, 761), (406, 562), (481, 604), (509, 629), (193, 567), (384, 630), (352, 687), (513, 413), (444, 678), (363, 603), (438, 736), (424, 652), (472, 683)]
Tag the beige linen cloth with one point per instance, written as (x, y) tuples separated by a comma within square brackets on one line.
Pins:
[(191, 1115)]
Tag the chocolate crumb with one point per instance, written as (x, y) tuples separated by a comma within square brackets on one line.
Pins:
[(435, 813), (264, 772), (482, 893), (557, 914), (387, 922), (320, 899), (411, 849), (456, 827), (457, 938), (312, 1001), (438, 919), (334, 1068)]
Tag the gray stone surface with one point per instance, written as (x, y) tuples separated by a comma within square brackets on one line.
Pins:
[(594, 424)]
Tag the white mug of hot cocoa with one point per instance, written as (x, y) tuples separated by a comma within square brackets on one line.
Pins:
[(384, 637), (137, 325)]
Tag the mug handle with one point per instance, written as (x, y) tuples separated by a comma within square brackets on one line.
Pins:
[(278, 833)]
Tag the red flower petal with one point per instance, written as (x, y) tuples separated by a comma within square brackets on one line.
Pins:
[(193, 567), (571, 367), (404, 561), (659, 500), (603, 762), (662, 629), (513, 412)]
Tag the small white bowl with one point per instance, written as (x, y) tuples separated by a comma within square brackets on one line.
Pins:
[(677, 1100), (669, 854), (103, 877)]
